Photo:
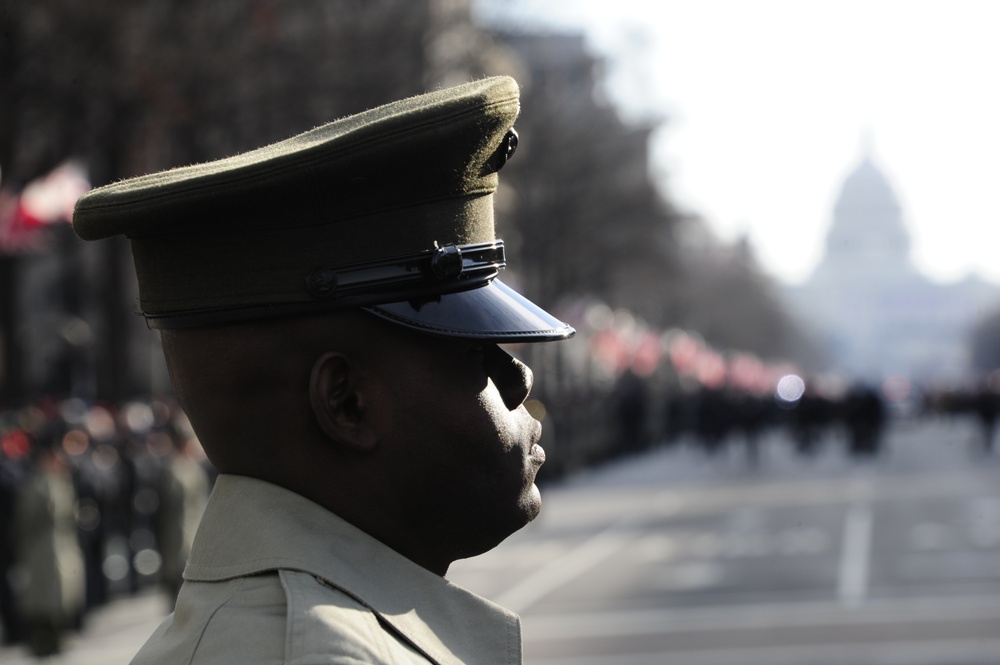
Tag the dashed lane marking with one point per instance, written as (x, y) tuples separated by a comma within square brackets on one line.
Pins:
[(852, 585)]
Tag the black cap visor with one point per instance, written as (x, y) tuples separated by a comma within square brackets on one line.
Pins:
[(493, 312)]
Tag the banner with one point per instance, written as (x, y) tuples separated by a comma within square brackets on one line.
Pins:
[(47, 200)]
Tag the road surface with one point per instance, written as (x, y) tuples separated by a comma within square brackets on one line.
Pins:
[(671, 557)]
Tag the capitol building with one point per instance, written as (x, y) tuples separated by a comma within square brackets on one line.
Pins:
[(875, 314)]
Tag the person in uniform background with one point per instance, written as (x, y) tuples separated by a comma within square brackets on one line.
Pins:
[(631, 409), (986, 408), (183, 491), (15, 445), (864, 416), (49, 562), (331, 319)]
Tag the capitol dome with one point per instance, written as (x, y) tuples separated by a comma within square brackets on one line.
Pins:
[(867, 226), (876, 314)]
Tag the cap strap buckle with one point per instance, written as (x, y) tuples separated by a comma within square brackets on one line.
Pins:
[(427, 274), (442, 269)]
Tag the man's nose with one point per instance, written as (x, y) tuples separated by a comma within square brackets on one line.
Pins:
[(511, 376)]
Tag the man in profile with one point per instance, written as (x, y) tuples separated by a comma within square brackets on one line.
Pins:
[(331, 320)]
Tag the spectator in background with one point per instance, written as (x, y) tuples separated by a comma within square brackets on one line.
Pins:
[(631, 404), (183, 491), (864, 415), (15, 445), (986, 407), (49, 568)]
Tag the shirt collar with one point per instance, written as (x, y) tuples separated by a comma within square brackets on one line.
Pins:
[(251, 526)]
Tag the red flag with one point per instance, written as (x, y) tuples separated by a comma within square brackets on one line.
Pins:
[(44, 201)]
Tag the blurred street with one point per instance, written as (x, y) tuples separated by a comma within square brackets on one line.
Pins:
[(112, 634), (774, 437), (676, 557)]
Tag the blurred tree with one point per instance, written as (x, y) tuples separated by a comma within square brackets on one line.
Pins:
[(139, 85), (135, 86), (584, 216), (735, 306)]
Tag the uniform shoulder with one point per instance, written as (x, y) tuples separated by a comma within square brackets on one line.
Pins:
[(238, 620), (325, 622)]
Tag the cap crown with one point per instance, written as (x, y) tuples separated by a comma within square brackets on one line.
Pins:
[(244, 232)]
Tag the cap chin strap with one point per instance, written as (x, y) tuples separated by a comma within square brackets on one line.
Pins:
[(426, 274), (432, 268)]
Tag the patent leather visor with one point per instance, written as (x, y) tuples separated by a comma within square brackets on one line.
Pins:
[(492, 312), (450, 291)]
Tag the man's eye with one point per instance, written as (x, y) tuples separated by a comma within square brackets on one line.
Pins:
[(477, 348)]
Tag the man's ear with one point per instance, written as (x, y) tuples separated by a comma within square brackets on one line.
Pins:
[(338, 404)]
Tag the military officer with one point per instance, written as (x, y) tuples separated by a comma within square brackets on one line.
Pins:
[(331, 318)]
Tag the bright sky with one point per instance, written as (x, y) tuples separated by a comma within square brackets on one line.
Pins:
[(769, 102)]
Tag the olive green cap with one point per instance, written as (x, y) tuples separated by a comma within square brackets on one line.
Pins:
[(390, 209)]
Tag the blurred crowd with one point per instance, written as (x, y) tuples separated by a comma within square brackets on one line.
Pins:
[(99, 501), (96, 501), (855, 419), (638, 413)]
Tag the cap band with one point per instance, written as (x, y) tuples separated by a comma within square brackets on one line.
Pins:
[(436, 271), (480, 262)]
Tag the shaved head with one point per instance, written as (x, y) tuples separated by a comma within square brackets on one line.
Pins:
[(246, 387)]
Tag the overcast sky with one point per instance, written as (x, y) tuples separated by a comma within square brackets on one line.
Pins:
[(768, 103)]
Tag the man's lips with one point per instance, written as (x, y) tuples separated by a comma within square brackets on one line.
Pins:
[(535, 453)]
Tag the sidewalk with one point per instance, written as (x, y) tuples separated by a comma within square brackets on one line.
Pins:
[(111, 635)]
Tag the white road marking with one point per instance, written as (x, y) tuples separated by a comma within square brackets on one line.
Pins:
[(852, 586), (743, 545), (928, 536), (803, 540), (657, 548), (762, 616), (689, 575), (983, 518), (574, 563), (910, 652)]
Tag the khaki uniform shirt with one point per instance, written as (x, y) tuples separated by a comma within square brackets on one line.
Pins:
[(275, 578)]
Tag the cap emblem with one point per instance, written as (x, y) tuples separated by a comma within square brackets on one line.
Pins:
[(506, 150), (321, 282), (446, 262)]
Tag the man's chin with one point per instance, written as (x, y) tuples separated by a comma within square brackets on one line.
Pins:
[(531, 503)]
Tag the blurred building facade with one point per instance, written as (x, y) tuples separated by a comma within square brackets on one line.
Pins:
[(579, 209), (68, 323), (876, 313)]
